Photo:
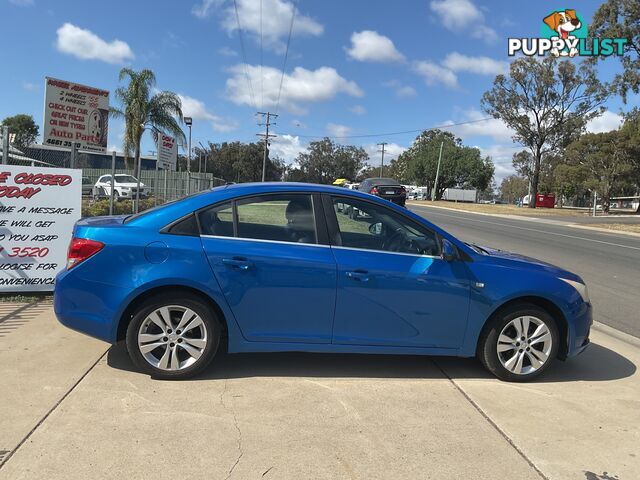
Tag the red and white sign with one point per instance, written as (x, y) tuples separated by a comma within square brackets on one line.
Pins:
[(167, 152), (38, 208), (75, 113)]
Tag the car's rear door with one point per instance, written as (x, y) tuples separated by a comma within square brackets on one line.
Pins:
[(270, 256), (388, 292)]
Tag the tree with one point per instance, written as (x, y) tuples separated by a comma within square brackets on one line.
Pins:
[(324, 161), (621, 19), (604, 160), (398, 169), (513, 188), (239, 162), (460, 166), (141, 110), (546, 103), (24, 128)]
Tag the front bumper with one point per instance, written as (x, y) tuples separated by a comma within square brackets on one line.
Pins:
[(579, 328)]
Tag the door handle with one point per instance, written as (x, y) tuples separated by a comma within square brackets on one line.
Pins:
[(238, 263), (358, 275)]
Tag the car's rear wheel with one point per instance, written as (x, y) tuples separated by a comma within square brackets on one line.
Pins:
[(173, 336), (520, 343)]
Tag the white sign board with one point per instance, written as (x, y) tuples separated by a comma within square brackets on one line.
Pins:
[(167, 152), (75, 113), (38, 208)]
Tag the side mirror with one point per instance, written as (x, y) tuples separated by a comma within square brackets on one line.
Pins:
[(375, 228), (449, 251)]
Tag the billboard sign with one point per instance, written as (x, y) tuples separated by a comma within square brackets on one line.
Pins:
[(167, 152), (75, 113), (38, 208)]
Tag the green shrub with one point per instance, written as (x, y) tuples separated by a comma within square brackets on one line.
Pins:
[(124, 207)]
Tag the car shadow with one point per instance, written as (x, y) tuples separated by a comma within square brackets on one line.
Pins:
[(597, 363)]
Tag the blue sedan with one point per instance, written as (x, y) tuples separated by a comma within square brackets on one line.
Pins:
[(276, 267)]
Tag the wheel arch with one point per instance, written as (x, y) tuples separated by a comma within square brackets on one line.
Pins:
[(128, 312), (547, 305)]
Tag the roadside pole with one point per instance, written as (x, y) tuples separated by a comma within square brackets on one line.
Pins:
[(5, 146), (74, 153), (155, 183), (595, 202), (435, 184), (113, 173)]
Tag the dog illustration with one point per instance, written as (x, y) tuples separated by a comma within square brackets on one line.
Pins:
[(564, 23)]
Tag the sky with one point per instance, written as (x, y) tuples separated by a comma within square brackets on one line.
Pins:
[(357, 71)]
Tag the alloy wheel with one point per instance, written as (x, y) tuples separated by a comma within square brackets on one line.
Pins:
[(524, 345), (172, 338)]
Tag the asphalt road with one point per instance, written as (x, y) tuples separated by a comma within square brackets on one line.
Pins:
[(608, 262)]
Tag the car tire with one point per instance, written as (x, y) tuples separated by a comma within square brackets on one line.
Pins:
[(173, 337), (519, 343)]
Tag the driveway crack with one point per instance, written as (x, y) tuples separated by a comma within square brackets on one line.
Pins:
[(235, 423)]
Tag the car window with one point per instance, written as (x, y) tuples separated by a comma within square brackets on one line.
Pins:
[(125, 179), (187, 226), (279, 217), (105, 178), (370, 226), (217, 220)]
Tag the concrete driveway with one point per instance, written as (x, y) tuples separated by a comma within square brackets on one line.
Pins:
[(74, 408)]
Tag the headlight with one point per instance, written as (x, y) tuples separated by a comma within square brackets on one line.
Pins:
[(580, 287)]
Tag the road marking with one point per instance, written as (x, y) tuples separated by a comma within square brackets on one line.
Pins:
[(537, 230)]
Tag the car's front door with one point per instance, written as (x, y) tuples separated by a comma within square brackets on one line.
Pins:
[(277, 275), (394, 287)]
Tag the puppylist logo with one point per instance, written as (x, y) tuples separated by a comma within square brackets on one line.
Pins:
[(563, 33)]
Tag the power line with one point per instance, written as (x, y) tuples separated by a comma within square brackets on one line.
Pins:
[(369, 135), (244, 55), (286, 54)]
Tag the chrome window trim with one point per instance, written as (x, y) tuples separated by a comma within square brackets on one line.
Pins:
[(384, 251), (260, 240)]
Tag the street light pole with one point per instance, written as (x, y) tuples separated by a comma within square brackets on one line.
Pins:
[(189, 122), (435, 184)]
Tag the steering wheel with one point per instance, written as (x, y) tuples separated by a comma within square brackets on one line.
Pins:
[(397, 242)]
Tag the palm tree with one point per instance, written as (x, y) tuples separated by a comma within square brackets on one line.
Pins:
[(160, 112)]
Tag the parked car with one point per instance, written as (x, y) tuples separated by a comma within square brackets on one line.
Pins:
[(87, 187), (124, 187), (271, 267), (386, 188)]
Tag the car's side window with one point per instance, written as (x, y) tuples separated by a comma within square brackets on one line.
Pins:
[(217, 220), (368, 226), (277, 217)]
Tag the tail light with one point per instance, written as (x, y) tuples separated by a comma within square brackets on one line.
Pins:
[(403, 190), (374, 191), (80, 249)]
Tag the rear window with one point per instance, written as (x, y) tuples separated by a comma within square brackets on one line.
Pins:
[(383, 181), (188, 226)]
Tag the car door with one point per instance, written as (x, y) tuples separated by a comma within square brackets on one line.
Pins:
[(277, 273), (394, 287)]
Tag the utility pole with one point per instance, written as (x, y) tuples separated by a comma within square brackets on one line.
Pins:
[(266, 136), (189, 122), (382, 144), (435, 184)]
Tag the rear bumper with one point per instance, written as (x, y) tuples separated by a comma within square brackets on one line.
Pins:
[(397, 199), (91, 308)]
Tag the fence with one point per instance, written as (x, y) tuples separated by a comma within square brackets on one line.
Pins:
[(164, 185)]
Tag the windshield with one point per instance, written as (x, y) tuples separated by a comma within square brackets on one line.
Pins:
[(125, 179)]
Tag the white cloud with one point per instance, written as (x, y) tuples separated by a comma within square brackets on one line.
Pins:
[(501, 155), (462, 15), (492, 127), (370, 46), (358, 110), (435, 74), (391, 152), (29, 86), (227, 52), (23, 3), (298, 87), (86, 45), (274, 21), (481, 65), (196, 109), (400, 89), (287, 147), (338, 131), (605, 123)]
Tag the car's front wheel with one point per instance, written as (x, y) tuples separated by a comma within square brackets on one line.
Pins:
[(519, 343), (173, 336)]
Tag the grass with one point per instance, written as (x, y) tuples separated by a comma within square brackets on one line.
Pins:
[(620, 227), (504, 209), (17, 298)]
